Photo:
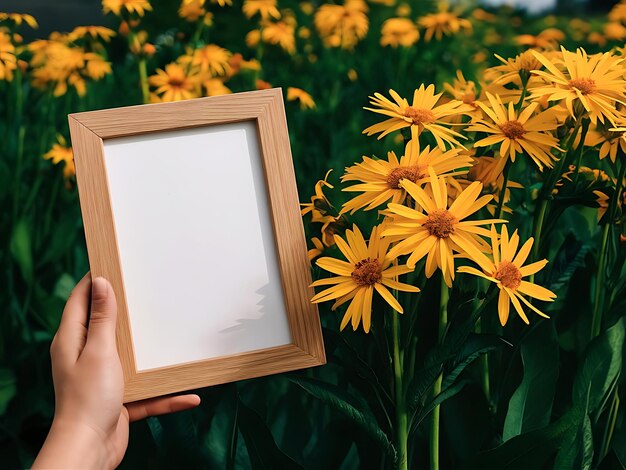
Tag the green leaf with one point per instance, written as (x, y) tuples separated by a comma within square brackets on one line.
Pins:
[(20, 247), (7, 389), (530, 407), (475, 346), (349, 405), (600, 368), (577, 450), (64, 285), (569, 258), (262, 449), (5, 177), (438, 400), (530, 450)]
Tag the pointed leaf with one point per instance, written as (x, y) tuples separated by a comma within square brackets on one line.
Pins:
[(600, 368), (262, 448), (530, 407), (349, 405)]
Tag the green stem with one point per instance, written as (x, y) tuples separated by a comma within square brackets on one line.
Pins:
[(434, 431), (505, 173), (402, 429), (484, 366), (581, 147), (596, 318), (143, 80)]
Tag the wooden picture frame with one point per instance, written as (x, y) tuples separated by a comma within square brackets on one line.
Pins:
[(92, 133)]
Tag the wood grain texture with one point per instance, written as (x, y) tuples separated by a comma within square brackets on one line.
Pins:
[(88, 130)]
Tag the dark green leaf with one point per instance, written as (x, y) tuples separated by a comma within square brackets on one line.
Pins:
[(64, 285), (7, 388), (475, 346), (262, 449), (530, 406), (577, 449), (438, 400), (569, 258), (21, 250), (600, 368), (530, 450), (355, 409)]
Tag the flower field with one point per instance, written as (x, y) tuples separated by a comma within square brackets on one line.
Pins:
[(462, 178)]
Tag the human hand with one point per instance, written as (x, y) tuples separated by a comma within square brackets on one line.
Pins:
[(91, 424)]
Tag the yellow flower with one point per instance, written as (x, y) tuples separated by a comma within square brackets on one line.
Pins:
[(210, 58), (215, 87), (222, 3), (320, 208), (265, 8), (369, 268), (318, 248), (443, 23), (614, 31), (131, 6), (507, 270), (512, 69), (595, 82), (56, 63), (482, 15), (609, 140), (253, 38), (342, 25), (174, 84), (280, 33), (436, 230), (61, 152), (465, 91), (547, 39), (380, 180), (191, 10), (422, 114), (399, 32), (319, 204), (297, 94), (94, 32), (518, 131), (96, 67), (618, 13), (8, 59), (19, 18)]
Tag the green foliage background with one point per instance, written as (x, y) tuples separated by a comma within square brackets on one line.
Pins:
[(551, 390)]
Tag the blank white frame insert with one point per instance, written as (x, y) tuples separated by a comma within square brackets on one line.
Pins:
[(196, 244)]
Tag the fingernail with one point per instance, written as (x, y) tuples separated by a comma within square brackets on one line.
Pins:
[(99, 289)]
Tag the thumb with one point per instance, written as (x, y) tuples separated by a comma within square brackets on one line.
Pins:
[(101, 330)]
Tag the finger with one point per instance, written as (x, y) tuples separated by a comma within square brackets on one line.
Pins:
[(72, 333), (103, 316), (160, 406)]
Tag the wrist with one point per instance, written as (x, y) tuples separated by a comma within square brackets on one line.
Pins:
[(75, 445)]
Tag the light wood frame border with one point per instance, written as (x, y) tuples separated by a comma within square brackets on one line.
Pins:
[(89, 130)]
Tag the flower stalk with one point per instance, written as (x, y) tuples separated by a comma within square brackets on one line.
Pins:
[(434, 430), (402, 429)]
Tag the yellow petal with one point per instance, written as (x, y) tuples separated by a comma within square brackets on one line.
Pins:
[(391, 300), (503, 307)]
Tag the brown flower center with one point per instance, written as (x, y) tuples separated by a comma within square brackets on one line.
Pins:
[(512, 129), (440, 223), (367, 272), (584, 85), (419, 116), (413, 173), (176, 82), (508, 274)]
